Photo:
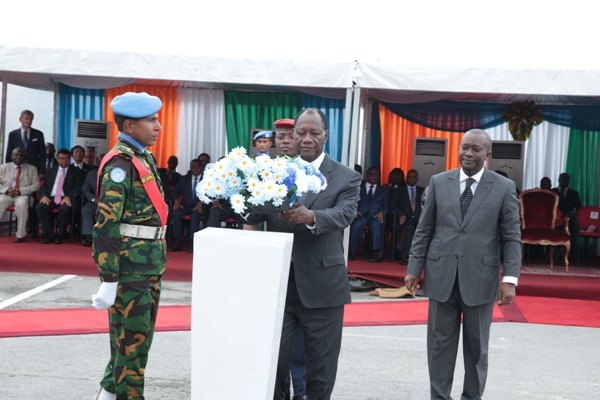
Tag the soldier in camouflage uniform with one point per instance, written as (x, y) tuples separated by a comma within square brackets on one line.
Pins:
[(128, 244)]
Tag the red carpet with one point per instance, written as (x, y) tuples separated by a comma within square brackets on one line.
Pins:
[(579, 283), (72, 258), (559, 299), (71, 321)]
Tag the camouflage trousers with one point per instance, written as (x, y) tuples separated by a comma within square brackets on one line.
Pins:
[(132, 319)]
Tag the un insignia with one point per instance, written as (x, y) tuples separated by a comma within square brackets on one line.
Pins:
[(118, 175)]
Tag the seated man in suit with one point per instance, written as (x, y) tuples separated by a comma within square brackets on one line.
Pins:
[(395, 183), (61, 185), (408, 206), (185, 202), (372, 207), (568, 203), (18, 180), (88, 211)]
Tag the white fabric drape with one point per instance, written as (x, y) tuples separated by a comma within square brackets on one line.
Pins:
[(201, 125), (545, 151)]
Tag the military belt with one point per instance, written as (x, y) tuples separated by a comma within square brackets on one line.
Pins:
[(142, 231)]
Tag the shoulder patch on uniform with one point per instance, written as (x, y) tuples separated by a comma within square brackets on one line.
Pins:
[(117, 175)]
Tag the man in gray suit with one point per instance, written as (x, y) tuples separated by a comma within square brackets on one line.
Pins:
[(469, 226), (318, 285)]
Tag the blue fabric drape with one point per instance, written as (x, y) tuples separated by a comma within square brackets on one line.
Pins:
[(460, 116), (334, 110), (375, 153), (74, 103)]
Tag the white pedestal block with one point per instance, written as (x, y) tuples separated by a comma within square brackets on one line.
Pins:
[(238, 295)]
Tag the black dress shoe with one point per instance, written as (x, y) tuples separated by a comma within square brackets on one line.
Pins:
[(352, 256), (58, 240), (20, 240), (376, 259)]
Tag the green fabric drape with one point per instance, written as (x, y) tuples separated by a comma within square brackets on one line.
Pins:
[(245, 111), (582, 159)]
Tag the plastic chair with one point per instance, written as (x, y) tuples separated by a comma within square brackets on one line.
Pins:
[(588, 223), (539, 222)]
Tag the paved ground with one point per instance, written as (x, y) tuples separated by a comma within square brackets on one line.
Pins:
[(527, 362)]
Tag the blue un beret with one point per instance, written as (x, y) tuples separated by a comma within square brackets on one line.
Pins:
[(135, 105), (263, 134)]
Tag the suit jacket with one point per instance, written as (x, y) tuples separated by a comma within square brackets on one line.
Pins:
[(403, 206), (50, 163), (71, 186), (568, 202), (36, 150), (169, 181), (184, 188), (379, 201), (318, 255), (90, 184), (28, 181), (446, 245)]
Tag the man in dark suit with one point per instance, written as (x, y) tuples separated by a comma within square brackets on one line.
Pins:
[(54, 197), (29, 139), (285, 146), (89, 192), (408, 209), (50, 160), (568, 203), (185, 202), (568, 199), (318, 285), (169, 176), (372, 209), (469, 223)]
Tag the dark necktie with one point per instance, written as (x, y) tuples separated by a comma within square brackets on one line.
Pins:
[(194, 186), (370, 194), (413, 198), (465, 197), (25, 139)]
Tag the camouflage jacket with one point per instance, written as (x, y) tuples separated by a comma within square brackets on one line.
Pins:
[(123, 199)]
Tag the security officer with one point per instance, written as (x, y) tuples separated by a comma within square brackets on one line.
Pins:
[(128, 244), (263, 142)]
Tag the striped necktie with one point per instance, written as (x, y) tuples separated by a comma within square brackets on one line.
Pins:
[(465, 197)]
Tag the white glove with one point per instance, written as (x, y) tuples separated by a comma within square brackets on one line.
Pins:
[(106, 295)]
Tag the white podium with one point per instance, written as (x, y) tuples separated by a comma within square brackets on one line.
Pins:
[(238, 295)]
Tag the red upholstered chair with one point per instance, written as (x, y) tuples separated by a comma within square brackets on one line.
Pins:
[(588, 222), (541, 224)]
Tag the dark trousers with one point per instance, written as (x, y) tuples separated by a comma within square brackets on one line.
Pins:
[(322, 341), (298, 365), (443, 333), (177, 218), (44, 213)]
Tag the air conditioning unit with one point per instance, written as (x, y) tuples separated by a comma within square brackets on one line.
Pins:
[(429, 158), (507, 156), (90, 133)]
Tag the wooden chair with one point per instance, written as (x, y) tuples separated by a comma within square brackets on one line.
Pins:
[(539, 222)]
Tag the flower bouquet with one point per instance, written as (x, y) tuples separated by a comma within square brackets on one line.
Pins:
[(258, 185)]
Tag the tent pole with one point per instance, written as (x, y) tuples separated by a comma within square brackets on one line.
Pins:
[(347, 127), (355, 127), (3, 113)]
